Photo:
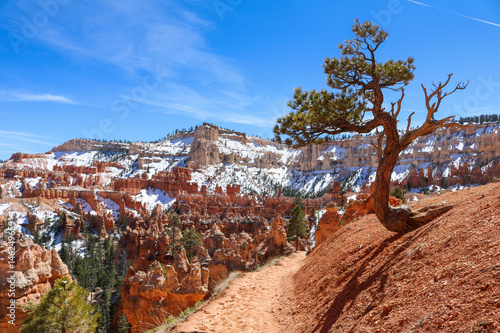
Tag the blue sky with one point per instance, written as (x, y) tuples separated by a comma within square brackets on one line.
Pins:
[(138, 70)]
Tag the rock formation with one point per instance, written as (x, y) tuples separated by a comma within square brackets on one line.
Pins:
[(162, 290), (34, 273), (327, 225)]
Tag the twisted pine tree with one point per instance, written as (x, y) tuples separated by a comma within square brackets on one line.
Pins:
[(355, 106)]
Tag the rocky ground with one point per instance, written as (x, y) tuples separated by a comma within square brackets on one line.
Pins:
[(443, 277)]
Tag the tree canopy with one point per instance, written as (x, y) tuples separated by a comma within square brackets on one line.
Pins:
[(62, 309), (355, 105)]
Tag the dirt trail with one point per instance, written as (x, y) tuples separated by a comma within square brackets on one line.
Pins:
[(255, 302)]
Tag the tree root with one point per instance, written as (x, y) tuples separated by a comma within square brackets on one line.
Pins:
[(425, 215)]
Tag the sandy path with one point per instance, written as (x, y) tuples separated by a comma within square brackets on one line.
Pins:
[(255, 302)]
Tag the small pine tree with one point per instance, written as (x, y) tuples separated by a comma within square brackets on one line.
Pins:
[(174, 224), (296, 226), (62, 309), (37, 238), (399, 193), (312, 218), (123, 324), (191, 238), (298, 201)]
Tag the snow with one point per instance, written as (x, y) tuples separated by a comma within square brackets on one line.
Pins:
[(86, 207), (152, 197), (319, 214), (43, 214), (352, 197), (66, 205), (4, 207), (336, 152), (77, 158), (459, 146), (19, 219), (249, 151), (399, 173), (110, 206), (33, 182)]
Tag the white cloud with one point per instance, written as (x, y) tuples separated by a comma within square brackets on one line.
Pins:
[(14, 96), (24, 137)]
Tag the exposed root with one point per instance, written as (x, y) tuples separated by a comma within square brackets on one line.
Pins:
[(402, 219), (425, 215)]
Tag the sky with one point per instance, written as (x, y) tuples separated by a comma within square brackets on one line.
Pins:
[(138, 70)]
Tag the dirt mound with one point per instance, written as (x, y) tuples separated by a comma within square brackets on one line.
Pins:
[(443, 277)]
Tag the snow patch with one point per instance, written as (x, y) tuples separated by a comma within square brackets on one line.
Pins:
[(152, 197)]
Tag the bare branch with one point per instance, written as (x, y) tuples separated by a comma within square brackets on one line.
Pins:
[(409, 122), (400, 101)]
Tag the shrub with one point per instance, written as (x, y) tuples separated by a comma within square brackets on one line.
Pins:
[(399, 193)]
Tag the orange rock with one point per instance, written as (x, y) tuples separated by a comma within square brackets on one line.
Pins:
[(35, 272), (394, 202), (360, 207), (162, 290), (327, 225)]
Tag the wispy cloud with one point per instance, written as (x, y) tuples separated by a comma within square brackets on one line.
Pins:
[(454, 13), (214, 106), (23, 137), (15, 96), (198, 82)]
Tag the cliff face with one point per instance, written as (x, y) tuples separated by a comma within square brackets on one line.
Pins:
[(220, 157)]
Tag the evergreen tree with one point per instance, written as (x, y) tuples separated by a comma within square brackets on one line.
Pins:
[(399, 193), (62, 309), (190, 238), (37, 239), (296, 226), (357, 105), (312, 218), (174, 223), (123, 324), (298, 201)]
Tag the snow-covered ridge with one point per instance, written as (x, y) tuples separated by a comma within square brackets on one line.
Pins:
[(222, 157)]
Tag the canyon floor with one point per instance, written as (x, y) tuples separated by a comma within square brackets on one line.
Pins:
[(442, 277)]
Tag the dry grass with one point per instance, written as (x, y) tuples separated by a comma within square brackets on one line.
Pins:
[(271, 262), (221, 286), (170, 322)]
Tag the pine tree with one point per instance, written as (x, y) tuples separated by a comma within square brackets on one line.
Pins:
[(62, 309), (296, 226), (174, 224), (312, 218), (357, 104), (37, 238), (190, 238)]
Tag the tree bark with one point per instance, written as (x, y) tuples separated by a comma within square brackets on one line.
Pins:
[(393, 218)]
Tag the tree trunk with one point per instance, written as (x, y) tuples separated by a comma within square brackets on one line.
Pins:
[(398, 219), (393, 218)]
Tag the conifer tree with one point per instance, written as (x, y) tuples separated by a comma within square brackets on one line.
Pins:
[(174, 224), (296, 226), (190, 238), (357, 106), (62, 309), (312, 217)]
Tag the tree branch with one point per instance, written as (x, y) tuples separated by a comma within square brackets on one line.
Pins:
[(409, 122)]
